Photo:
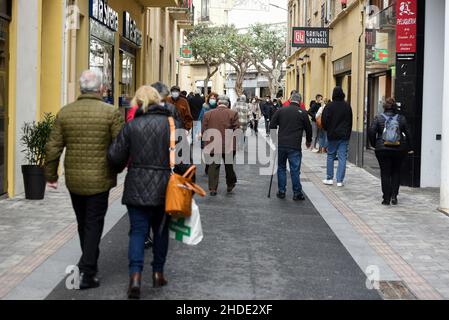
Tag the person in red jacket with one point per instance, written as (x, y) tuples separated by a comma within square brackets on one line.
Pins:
[(289, 101)]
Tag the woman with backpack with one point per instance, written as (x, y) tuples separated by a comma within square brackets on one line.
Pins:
[(390, 135)]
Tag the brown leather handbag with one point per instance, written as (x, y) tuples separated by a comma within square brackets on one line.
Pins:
[(180, 189), (319, 122)]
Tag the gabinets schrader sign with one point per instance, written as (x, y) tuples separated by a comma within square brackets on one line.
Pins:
[(310, 37)]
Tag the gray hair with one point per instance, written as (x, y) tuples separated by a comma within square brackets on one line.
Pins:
[(161, 88), (224, 100), (91, 81), (296, 97)]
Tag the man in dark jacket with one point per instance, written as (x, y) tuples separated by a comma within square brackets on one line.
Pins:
[(196, 104), (85, 129), (267, 109), (292, 121), (337, 121)]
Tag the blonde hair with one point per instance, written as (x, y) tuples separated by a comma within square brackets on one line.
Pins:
[(145, 97)]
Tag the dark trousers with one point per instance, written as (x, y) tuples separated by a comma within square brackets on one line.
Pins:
[(256, 126), (214, 171), (267, 125), (390, 170), (90, 212), (142, 219)]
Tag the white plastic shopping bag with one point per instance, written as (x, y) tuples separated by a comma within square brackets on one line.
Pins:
[(187, 230)]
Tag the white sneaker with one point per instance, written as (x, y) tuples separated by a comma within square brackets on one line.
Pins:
[(340, 184), (315, 150), (328, 182)]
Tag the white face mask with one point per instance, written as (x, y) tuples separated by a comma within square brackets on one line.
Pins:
[(212, 102), (175, 95)]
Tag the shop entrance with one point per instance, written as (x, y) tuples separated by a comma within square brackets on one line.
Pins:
[(379, 89), (4, 53)]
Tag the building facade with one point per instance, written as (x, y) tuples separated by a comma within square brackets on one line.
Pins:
[(193, 72), (380, 49), (46, 44)]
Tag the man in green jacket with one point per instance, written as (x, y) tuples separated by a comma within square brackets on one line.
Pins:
[(86, 128)]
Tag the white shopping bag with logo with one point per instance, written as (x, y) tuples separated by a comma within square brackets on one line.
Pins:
[(187, 230)]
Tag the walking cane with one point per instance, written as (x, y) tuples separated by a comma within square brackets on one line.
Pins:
[(272, 173)]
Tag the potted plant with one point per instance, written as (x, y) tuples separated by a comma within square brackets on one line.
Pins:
[(34, 138)]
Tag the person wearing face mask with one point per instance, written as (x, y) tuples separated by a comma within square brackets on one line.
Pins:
[(210, 104), (182, 105)]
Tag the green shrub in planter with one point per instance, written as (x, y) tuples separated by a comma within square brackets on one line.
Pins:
[(34, 138)]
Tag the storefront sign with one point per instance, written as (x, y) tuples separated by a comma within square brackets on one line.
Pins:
[(343, 65), (100, 11), (310, 37), (406, 28), (130, 30)]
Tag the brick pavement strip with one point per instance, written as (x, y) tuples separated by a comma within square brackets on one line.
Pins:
[(357, 203), (16, 213)]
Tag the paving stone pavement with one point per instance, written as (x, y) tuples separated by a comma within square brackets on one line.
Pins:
[(415, 229), (30, 231)]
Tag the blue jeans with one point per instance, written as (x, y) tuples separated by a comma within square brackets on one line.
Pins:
[(337, 148), (141, 218), (323, 139), (294, 158)]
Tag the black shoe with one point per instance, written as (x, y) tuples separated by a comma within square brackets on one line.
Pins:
[(280, 195), (394, 201), (386, 203), (134, 286), (299, 197), (159, 280), (88, 282), (231, 187), (148, 242), (213, 193)]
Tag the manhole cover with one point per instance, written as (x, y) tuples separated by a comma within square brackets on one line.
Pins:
[(395, 290)]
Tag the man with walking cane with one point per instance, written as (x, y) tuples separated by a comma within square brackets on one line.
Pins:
[(292, 121)]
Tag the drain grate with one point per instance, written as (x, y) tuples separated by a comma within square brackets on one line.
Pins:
[(395, 290)]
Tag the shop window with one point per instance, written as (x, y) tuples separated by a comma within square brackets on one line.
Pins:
[(101, 57), (205, 6), (127, 78)]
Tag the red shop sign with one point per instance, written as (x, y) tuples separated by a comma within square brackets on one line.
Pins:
[(406, 18)]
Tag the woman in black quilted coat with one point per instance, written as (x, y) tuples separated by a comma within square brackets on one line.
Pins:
[(146, 141)]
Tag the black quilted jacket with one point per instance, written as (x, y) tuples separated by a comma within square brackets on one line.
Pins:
[(146, 141)]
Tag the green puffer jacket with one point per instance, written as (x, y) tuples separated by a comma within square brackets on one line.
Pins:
[(86, 129)]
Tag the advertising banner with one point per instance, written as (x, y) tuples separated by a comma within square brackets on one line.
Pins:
[(406, 28), (310, 37)]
